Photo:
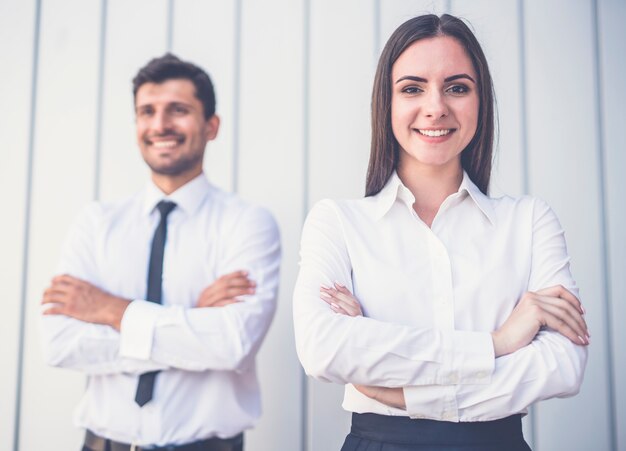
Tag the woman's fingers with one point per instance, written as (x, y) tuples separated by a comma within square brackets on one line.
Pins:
[(564, 319), (566, 309), (341, 300), (559, 291)]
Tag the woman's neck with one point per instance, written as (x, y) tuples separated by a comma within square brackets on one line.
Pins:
[(430, 186)]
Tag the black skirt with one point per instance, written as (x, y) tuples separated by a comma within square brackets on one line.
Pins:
[(372, 432)]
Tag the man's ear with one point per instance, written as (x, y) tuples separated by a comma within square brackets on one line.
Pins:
[(212, 126)]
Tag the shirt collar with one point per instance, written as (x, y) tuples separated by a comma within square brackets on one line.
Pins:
[(394, 190), (481, 200), (187, 198)]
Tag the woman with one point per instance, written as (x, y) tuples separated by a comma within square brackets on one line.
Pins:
[(446, 313)]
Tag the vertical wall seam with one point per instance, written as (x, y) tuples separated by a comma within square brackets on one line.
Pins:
[(523, 103), (377, 31), (447, 6), (170, 25), (523, 115), (100, 100), (27, 215), (306, 444), (236, 96), (604, 227)]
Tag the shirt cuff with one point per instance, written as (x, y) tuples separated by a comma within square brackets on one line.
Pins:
[(473, 358), (137, 329), (432, 402)]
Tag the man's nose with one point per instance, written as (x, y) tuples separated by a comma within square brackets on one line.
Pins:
[(160, 123)]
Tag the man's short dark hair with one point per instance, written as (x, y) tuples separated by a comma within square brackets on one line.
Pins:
[(170, 67)]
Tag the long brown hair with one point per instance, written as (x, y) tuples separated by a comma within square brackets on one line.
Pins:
[(384, 152)]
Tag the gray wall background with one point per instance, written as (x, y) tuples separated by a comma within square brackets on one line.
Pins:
[(293, 80)]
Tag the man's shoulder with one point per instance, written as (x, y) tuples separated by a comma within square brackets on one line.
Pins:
[(232, 210), (101, 212), (232, 204)]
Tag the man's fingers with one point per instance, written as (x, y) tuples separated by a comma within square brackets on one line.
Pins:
[(219, 303), (54, 310), (53, 296), (65, 279), (225, 302)]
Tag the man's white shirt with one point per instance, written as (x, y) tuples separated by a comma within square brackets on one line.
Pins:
[(208, 385)]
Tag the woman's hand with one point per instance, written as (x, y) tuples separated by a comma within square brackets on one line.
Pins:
[(392, 397), (553, 307), (341, 300)]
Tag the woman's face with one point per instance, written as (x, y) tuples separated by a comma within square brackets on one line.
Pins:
[(434, 103)]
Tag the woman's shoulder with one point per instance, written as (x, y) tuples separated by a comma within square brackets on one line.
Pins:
[(524, 205), (344, 208)]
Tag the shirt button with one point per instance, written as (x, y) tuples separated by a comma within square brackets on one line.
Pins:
[(454, 378), (481, 375)]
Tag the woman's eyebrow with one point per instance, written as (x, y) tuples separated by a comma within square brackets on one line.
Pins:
[(446, 80), (456, 77), (412, 78)]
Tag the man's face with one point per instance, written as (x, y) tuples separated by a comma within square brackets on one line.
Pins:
[(171, 129)]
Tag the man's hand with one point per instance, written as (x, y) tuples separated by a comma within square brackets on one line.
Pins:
[(226, 289), (73, 297), (553, 307)]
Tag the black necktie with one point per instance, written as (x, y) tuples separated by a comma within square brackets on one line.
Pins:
[(155, 282)]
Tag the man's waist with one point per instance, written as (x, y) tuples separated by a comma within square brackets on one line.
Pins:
[(96, 443)]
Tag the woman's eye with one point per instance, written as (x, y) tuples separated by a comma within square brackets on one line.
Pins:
[(411, 90), (458, 89)]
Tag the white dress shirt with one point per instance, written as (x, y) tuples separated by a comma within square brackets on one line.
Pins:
[(208, 385), (430, 298)]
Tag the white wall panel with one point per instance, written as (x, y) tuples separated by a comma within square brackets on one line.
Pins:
[(563, 169), (16, 52), (496, 25), (270, 173), (393, 14), (204, 33), (62, 183), (136, 32), (341, 74), (491, 21), (293, 82), (612, 17)]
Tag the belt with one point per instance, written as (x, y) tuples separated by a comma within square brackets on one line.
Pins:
[(96, 443)]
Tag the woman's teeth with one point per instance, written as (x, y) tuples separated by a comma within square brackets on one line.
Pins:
[(434, 133)]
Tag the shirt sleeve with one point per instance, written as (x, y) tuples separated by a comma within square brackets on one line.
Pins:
[(550, 366), (157, 337), (360, 350), (74, 344), (215, 338)]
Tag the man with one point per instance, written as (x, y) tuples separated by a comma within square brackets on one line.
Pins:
[(175, 368)]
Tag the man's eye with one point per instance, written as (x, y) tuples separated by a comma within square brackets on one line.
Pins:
[(146, 112), (179, 110)]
